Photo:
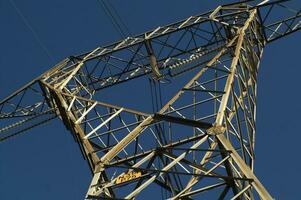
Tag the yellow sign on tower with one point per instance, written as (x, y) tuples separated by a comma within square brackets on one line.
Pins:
[(127, 177)]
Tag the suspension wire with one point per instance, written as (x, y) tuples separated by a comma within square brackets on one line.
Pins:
[(123, 30), (160, 99), (160, 95), (126, 28), (116, 21), (112, 19), (31, 29), (156, 94), (152, 94)]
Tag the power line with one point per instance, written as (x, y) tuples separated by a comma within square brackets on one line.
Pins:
[(115, 18), (34, 33), (120, 18), (124, 31)]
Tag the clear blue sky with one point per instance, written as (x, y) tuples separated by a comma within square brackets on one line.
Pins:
[(46, 163)]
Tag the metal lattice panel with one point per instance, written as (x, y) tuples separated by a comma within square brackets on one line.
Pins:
[(199, 143)]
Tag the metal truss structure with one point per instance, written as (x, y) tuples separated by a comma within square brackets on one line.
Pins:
[(198, 143)]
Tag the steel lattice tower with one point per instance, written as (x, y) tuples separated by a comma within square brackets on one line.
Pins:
[(200, 143)]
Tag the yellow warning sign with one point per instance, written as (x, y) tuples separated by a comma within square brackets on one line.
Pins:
[(127, 177)]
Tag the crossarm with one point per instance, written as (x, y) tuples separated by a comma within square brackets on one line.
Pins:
[(279, 18)]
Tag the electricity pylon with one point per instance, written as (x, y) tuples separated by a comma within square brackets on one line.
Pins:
[(200, 143)]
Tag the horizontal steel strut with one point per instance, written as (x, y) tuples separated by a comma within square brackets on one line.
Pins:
[(200, 143)]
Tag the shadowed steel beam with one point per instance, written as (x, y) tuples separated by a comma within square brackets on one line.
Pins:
[(178, 120)]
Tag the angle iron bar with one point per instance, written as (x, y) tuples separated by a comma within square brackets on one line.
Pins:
[(196, 191), (193, 104), (170, 145), (183, 121), (184, 173)]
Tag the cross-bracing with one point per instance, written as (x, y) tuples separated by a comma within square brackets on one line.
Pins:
[(200, 142)]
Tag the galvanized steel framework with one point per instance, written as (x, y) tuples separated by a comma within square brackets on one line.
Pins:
[(200, 144)]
